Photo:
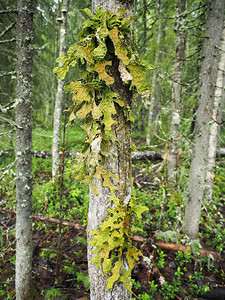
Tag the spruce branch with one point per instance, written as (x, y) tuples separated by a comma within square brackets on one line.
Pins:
[(8, 73), (8, 29), (8, 11), (8, 41)]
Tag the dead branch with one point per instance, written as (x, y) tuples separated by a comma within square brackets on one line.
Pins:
[(48, 219), (178, 247)]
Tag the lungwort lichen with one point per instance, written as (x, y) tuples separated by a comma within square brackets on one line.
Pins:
[(104, 38)]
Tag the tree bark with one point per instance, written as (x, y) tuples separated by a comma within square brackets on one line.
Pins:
[(118, 163), (24, 246), (209, 69), (177, 94), (155, 75), (213, 135), (59, 96)]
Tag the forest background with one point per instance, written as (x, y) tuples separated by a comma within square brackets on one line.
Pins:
[(170, 37)]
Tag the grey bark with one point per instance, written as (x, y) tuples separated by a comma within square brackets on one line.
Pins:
[(155, 76), (23, 151), (213, 131), (119, 163), (177, 94), (209, 69), (59, 96)]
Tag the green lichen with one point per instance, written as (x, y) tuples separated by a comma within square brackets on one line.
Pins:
[(104, 41)]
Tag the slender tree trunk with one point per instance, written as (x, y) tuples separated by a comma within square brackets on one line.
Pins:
[(154, 79), (59, 95), (145, 25), (24, 247), (54, 80), (213, 134), (177, 93), (209, 70), (119, 163)]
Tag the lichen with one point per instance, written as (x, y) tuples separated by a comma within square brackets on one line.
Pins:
[(104, 46)]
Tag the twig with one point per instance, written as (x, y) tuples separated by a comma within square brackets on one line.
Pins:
[(8, 41), (7, 29), (8, 11)]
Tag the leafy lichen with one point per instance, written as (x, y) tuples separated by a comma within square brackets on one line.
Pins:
[(103, 41)]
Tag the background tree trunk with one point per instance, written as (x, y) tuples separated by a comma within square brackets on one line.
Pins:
[(24, 247), (214, 26), (154, 79), (119, 163), (177, 93), (59, 95), (216, 116)]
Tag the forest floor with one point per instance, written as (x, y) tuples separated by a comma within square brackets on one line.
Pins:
[(166, 271)]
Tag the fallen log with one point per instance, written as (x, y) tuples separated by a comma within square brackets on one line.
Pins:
[(177, 247), (146, 155), (48, 219), (149, 155), (136, 155), (183, 248)]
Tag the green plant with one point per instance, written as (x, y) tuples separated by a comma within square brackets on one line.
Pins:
[(179, 274), (169, 290), (84, 279), (53, 293), (195, 289), (81, 241), (183, 257), (160, 259), (48, 254), (71, 269), (136, 284)]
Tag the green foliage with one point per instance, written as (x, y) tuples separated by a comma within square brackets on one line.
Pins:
[(83, 279), (102, 47), (183, 257), (161, 259), (53, 293), (74, 204), (81, 241)]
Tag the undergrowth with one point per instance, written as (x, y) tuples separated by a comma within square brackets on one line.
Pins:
[(175, 274)]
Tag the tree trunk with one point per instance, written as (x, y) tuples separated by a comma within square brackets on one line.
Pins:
[(154, 79), (59, 95), (209, 70), (177, 94), (24, 246), (213, 135), (120, 165)]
